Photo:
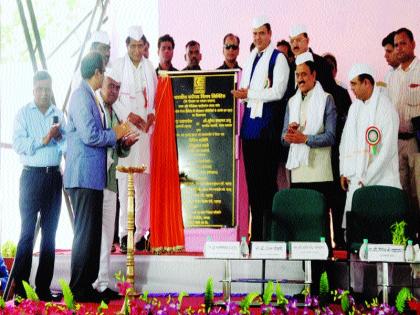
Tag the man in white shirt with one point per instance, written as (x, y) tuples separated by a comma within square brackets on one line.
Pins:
[(263, 87), (136, 104), (368, 148), (404, 92)]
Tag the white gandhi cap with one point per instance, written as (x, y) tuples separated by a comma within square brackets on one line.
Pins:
[(298, 29), (135, 32), (114, 75), (360, 68), (302, 58), (259, 21), (100, 37)]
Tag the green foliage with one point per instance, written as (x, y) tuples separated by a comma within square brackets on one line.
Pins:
[(102, 307), (268, 293), (180, 297), (324, 285), (8, 249), (119, 276), (402, 298), (2, 303), (67, 294), (281, 300), (398, 233), (209, 295), (144, 296), (30, 292), (344, 298), (246, 302)]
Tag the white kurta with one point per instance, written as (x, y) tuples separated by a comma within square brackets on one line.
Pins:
[(357, 162), (136, 82), (137, 95)]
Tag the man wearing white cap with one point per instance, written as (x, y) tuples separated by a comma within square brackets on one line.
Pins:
[(263, 87), (309, 130), (368, 151), (100, 43), (106, 96), (136, 104), (299, 41), (368, 148)]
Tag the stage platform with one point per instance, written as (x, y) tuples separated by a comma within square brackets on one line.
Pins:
[(186, 272), (189, 271)]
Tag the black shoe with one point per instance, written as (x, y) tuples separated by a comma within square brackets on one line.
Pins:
[(90, 295), (47, 296), (109, 294), (143, 244), (123, 245)]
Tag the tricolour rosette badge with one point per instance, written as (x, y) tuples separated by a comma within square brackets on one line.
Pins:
[(373, 137)]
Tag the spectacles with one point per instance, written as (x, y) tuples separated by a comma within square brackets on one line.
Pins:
[(234, 47)]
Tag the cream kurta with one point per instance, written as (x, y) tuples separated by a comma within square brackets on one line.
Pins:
[(319, 160)]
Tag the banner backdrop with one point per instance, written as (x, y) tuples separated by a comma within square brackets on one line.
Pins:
[(205, 124)]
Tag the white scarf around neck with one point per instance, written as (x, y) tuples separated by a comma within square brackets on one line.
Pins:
[(259, 78), (299, 152)]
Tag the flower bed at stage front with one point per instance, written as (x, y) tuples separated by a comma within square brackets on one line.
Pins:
[(273, 301)]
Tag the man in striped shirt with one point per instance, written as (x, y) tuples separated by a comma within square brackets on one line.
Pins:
[(404, 92), (38, 138)]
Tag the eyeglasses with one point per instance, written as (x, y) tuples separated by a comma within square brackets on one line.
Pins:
[(234, 47)]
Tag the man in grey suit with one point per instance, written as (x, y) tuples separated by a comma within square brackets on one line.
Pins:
[(85, 175)]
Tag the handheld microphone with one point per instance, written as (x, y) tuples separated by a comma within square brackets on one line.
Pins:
[(55, 120)]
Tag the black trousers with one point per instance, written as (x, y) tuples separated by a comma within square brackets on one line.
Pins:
[(87, 207), (261, 160), (40, 192)]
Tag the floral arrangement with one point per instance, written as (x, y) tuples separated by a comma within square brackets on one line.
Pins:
[(342, 303)]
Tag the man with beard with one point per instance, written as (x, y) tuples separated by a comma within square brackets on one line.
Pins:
[(192, 55)]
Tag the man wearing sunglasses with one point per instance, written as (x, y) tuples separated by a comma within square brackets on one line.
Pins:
[(231, 52)]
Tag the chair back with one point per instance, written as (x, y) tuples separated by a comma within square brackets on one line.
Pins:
[(374, 209), (298, 215)]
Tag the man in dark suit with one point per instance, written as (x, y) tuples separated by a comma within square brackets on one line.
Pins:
[(299, 41), (85, 175)]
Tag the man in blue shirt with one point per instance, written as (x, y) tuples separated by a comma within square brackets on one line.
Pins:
[(38, 138)]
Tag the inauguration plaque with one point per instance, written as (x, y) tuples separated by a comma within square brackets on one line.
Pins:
[(205, 130)]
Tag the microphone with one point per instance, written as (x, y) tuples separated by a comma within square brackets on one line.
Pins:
[(55, 120)]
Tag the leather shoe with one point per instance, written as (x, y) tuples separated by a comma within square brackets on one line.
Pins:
[(110, 294), (49, 297), (143, 244), (90, 295), (123, 245)]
